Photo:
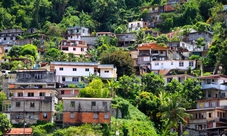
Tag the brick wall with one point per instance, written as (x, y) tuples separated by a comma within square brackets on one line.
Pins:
[(48, 118), (85, 117)]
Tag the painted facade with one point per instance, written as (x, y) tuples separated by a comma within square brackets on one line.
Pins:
[(74, 72), (74, 46)]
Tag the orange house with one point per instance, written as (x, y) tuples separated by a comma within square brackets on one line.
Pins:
[(86, 110)]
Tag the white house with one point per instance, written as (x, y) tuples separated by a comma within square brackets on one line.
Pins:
[(178, 77), (173, 64), (137, 25), (214, 85), (75, 33), (74, 72)]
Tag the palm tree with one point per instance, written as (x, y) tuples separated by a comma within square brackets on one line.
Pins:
[(112, 85), (94, 54), (140, 37), (173, 109)]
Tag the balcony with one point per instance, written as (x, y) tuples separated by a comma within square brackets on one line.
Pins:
[(155, 54), (11, 80), (144, 54), (220, 120), (215, 86), (28, 98)]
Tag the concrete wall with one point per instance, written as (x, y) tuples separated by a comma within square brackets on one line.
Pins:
[(168, 64), (68, 71), (34, 76), (86, 105)]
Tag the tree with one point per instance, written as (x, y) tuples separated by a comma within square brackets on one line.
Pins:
[(15, 65), (129, 88), (191, 92), (112, 85), (121, 60), (140, 37), (4, 123), (2, 97), (202, 26), (149, 104), (152, 83), (200, 42), (174, 86), (51, 54), (162, 39), (29, 49), (93, 54), (205, 7), (173, 111), (15, 51), (95, 89)]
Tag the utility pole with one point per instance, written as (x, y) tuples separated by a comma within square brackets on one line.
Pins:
[(180, 129)]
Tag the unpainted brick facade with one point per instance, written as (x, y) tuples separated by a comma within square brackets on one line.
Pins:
[(86, 110)]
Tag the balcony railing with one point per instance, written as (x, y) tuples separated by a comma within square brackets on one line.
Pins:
[(221, 87)]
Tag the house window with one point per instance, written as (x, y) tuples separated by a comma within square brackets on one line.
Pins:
[(208, 81), (156, 63), (210, 115), (38, 76), (17, 104), (72, 115), (82, 49), (213, 104), (45, 115), (93, 103), (191, 64), (63, 78), (72, 104), (106, 116), (161, 52), (169, 80), (171, 63), (86, 69), (74, 49), (75, 79), (104, 103), (30, 94), (20, 94), (95, 116), (181, 64), (42, 94), (61, 69), (146, 59), (74, 69), (32, 104), (62, 92), (106, 71)]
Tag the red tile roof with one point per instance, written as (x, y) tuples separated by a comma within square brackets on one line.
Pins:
[(152, 46), (19, 131)]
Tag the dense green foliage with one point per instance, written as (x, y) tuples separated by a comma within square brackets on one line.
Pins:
[(159, 102), (133, 122), (4, 123), (121, 60), (95, 89)]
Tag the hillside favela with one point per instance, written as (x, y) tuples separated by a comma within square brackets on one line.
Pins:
[(113, 67)]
